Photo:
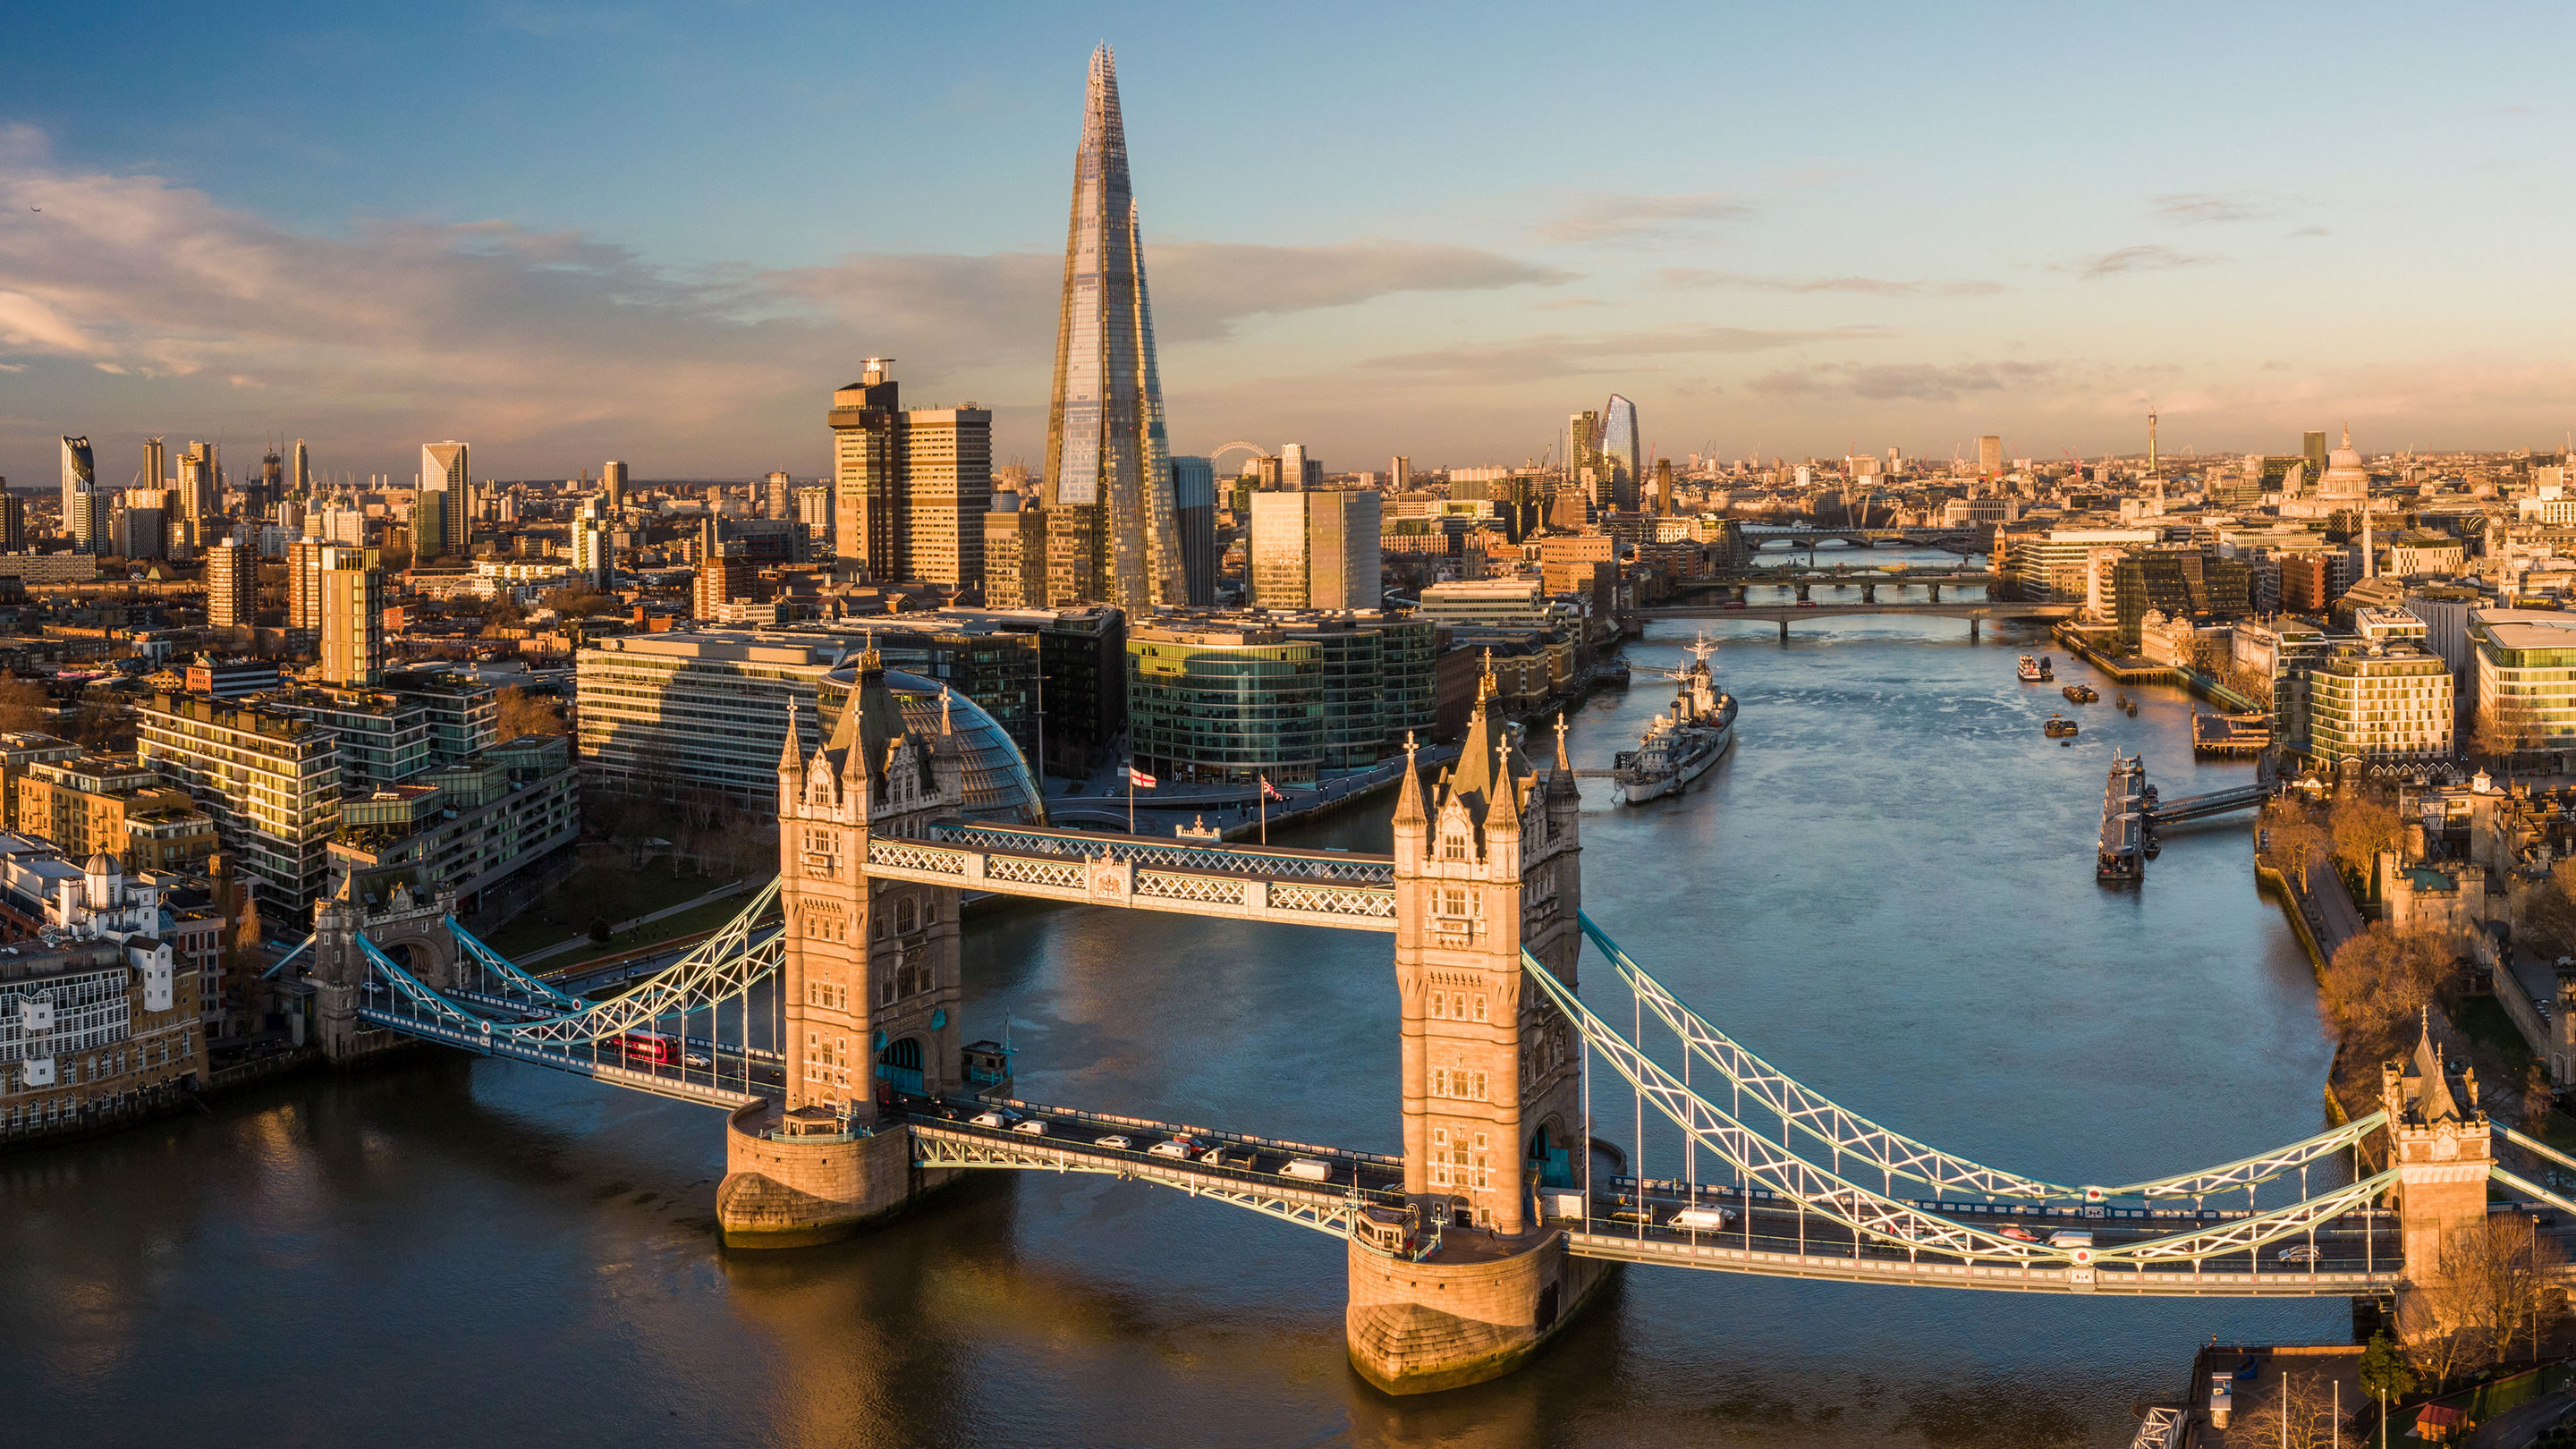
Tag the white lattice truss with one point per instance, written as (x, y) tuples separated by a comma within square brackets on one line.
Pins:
[(1303, 896), (2159, 1428), (1893, 1155), (906, 856), (1324, 1212), (720, 968), (1869, 1213), (1243, 860), (1021, 869)]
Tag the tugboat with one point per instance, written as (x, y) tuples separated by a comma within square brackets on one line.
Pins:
[(2047, 669), (1679, 747)]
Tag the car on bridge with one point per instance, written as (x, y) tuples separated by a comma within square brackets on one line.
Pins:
[(998, 1117), (2016, 1230), (1114, 1139), (1033, 1127), (2301, 1253), (1181, 1147), (1313, 1169)]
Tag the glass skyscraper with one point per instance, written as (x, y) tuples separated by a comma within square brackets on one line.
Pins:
[(1108, 473), (1621, 453)]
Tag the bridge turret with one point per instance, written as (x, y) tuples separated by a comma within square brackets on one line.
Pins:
[(2440, 1144)]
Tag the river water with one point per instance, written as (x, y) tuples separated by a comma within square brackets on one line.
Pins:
[(1886, 889)]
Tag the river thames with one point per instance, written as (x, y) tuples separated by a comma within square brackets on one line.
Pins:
[(1887, 890)]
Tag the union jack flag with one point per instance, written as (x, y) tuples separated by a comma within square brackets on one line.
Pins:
[(1269, 791)]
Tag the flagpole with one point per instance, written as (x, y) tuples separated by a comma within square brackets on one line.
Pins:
[(1265, 809), (1131, 797)]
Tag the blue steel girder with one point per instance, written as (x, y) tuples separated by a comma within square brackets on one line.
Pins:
[(1893, 1153), (508, 970), (1867, 1211)]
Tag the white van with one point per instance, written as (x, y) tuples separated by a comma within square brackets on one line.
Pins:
[(1313, 1169), (1702, 1220), (2070, 1238)]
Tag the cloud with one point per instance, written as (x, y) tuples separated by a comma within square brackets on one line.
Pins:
[(1559, 354), (1613, 215), (486, 330), (2141, 259), (1560, 304), (2197, 208), (2312, 231), (1687, 278), (1917, 381)]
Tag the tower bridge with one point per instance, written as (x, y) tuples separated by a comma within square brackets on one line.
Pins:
[(824, 1021)]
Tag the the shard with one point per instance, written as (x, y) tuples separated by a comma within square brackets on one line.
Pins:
[(1110, 537)]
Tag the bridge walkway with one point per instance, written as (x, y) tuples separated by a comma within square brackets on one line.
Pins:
[(2216, 802), (1249, 882)]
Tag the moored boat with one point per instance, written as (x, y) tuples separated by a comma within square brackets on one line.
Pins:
[(1683, 745)]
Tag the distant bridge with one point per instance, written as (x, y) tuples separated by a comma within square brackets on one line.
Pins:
[(1949, 539)]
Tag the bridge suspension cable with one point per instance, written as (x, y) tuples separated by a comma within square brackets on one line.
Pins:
[(1894, 1153), (510, 971), (1867, 1211)]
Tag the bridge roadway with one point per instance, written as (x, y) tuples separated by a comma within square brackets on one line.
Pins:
[(1786, 613)]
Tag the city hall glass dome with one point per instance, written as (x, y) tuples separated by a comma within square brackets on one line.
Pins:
[(999, 786)]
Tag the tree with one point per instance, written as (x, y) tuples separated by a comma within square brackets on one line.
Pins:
[(2362, 828), (2496, 731), (599, 929), (581, 601), (2497, 1282), (503, 611), (2383, 1373), (2300, 1413), (23, 703), (2296, 838), (523, 713), (2378, 982)]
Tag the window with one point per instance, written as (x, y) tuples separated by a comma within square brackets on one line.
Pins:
[(1480, 1007), (1453, 847), (1439, 1004), (1453, 901)]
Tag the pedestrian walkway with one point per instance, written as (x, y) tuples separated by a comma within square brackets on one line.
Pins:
[(577, 942)]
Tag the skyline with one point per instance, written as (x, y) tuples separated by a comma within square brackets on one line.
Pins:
[(1806, 260)]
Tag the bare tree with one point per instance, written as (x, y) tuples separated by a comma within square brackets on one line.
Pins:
[(22, 704), (2296, 838), (523, 713), (2497, 1282), (2378, 982), (2362, 828), (2300, 1412)]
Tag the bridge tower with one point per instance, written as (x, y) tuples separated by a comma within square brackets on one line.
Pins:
[(869, 983), (2439, 1142), (1492, 1099), (410, 927)]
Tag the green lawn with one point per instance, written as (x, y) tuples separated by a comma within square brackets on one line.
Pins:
[(601, 891), (2483, 1021)]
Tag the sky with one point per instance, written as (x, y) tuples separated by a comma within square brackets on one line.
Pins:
[(665, 232)]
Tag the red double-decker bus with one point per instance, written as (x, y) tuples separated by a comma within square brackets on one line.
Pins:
[(645, 1046)]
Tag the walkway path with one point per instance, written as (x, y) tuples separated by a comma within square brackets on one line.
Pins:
[(577, 942)]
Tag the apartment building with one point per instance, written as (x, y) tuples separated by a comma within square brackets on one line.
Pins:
[(270, 779)]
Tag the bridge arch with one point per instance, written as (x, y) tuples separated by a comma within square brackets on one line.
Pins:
[(899, 1065)]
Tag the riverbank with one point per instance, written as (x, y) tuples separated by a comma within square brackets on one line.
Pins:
[(2146, 671)]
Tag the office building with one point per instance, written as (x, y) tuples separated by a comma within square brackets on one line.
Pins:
[(667, 714), (2057, 565), (2312, 449), (2379, 701), (84, 508), (269, 778), (13, 523), (1014, 554), (777, 496), (947, 484), (966, 649), (1582, 442), (1508, 603), (1111, 537), (1990, 456), (156, 464), (1399, 474), (1314, 550), (867, 477), (232, 585), (1194, 520), (612, 482), (1621, 454), (439, 511), (353, 617), (1235, 697), (463, 712), (140, 529), (2526, 678), (300, 481), (468, 825)]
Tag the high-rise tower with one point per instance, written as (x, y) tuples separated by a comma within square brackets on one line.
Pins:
[(1111, 536)]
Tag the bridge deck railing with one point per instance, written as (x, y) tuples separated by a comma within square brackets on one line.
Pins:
[(1275, 861), (1213, 1134)]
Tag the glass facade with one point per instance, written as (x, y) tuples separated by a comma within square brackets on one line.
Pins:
[(1621, 451), (1108, 463), (998, 783), (1233, 698)]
